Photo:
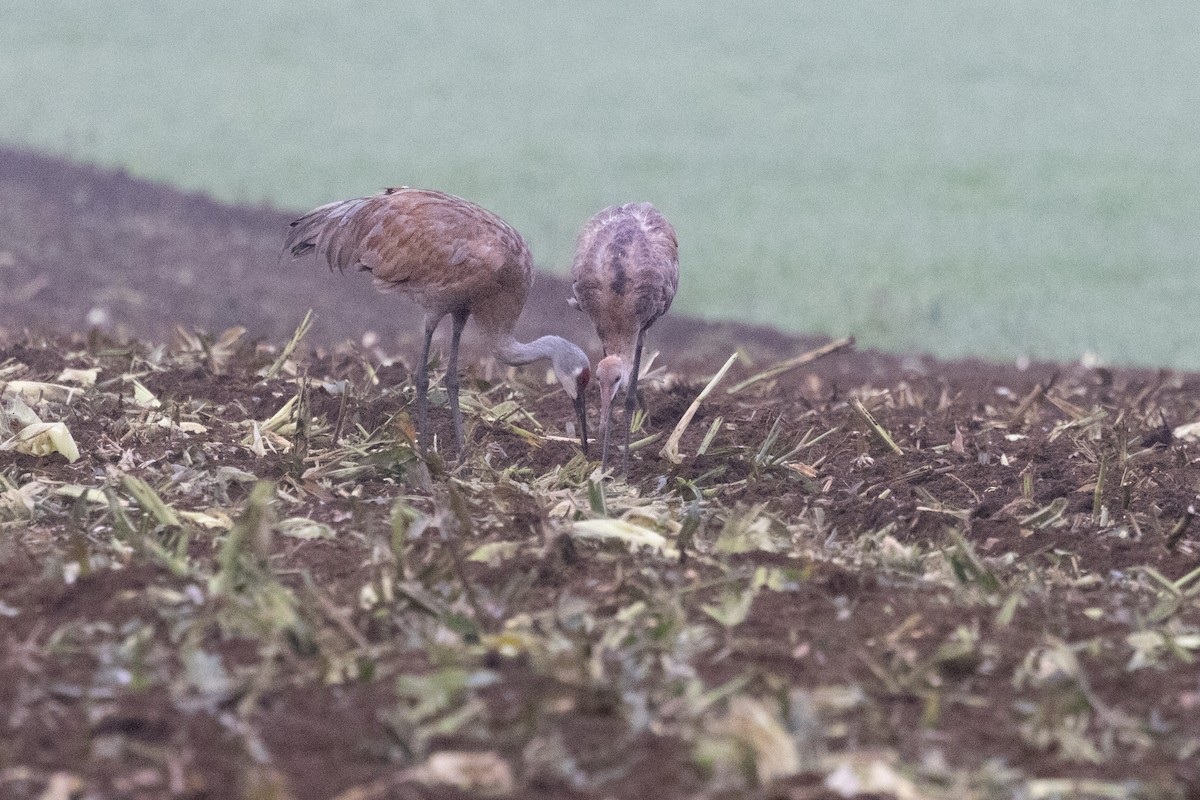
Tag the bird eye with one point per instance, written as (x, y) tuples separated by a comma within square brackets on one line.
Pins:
[(584, 377)]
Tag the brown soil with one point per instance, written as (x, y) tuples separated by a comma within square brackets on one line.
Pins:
[(145, 258), (985, 448)]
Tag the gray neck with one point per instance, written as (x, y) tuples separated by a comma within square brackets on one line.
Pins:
[(510, 351)]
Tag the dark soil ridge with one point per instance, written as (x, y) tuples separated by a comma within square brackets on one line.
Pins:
[(83, 246), (154, 256)]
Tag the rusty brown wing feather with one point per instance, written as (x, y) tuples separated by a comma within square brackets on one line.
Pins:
[(332, 230), (663, 243), (626, 270), (589, 236), (415, 240), (588, 284)]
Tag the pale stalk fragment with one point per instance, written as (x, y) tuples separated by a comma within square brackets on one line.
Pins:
[(879, 430), (42, 439), (786, 366), (670, 450), (35, 392), (297, 337)]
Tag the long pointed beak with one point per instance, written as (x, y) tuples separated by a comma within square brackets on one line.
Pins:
[(581, 415), (605, 424)]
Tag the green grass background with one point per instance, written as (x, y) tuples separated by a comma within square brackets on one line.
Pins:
[(995, 178)]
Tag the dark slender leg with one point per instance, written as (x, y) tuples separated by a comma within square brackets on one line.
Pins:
[(460, 321), (423, 388), (631, 400), (605, 424)]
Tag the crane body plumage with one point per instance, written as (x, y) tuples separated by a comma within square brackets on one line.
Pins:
[(452, 257), (624, 276)]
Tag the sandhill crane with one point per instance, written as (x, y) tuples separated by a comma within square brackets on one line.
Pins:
[(452, 257), (625, 274)]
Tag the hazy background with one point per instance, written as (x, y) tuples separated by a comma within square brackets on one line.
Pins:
[(992, 178)]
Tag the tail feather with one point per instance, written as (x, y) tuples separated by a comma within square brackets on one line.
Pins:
[(301, 248), (331, 231)]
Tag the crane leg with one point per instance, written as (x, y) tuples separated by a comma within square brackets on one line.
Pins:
[(423, 388), (460, 321), (631, 400), (605, 424)]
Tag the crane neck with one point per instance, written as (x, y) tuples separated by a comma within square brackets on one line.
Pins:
[(510, 351)]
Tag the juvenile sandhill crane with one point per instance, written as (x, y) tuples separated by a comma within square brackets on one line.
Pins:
[(625, 274), (452, 257)]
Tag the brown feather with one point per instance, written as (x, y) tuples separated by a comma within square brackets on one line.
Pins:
[(446, 252), (626, 273), (452, 257)]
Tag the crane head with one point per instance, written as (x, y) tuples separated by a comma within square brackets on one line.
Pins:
[(573, 370), (612, 373)]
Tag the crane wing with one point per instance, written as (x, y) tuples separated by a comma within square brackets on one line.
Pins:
[(626, 271), (412, 240)]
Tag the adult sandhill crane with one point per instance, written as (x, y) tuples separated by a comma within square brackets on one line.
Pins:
[(452, 257), (625, 274)]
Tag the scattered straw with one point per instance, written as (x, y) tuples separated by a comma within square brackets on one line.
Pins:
[(792, 363), (297, 337), (880, 431), (670, 450)]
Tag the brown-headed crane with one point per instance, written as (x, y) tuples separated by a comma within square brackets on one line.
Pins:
[(451, 257), (625, 274)]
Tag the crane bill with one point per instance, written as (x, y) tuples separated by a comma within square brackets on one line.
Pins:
[(581, 415)]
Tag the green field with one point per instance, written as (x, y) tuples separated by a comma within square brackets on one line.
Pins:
[(965, 178)]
